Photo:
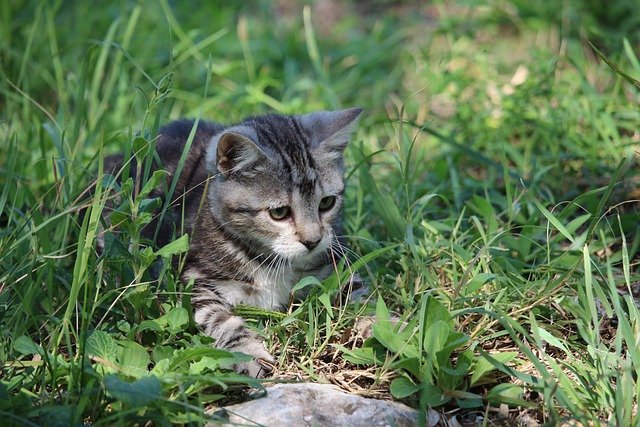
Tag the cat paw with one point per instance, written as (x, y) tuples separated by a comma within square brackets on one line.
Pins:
[(256, 368), (262, 364)]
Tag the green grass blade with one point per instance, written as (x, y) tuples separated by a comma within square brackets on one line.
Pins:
[(552, 219)]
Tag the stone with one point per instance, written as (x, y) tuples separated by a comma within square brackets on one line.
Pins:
[(309, 404)]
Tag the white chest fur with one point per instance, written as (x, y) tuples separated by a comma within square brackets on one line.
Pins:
[(271, 287)]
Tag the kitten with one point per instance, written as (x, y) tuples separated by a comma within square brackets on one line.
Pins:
[(271, 215)]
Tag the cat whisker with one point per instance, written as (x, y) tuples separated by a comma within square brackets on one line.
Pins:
[(352, 236), (261, 264), (345, 250), (270, 268)]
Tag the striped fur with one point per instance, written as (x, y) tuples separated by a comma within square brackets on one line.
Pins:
[(239, 253)]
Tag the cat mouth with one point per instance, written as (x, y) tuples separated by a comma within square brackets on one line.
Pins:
[(298, 253)]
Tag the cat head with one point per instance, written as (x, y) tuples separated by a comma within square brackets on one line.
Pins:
[(279, 180)]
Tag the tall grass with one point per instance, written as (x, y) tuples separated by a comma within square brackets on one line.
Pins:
[(491, 205)]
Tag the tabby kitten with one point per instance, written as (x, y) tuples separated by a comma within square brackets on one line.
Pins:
[(271, 214)]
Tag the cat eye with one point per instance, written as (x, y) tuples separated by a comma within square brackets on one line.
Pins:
[(327, 203), (283, 212)]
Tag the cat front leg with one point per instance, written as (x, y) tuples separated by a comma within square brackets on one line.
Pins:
[(214, 315)]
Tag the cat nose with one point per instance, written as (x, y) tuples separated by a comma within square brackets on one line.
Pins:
[(310, 244)]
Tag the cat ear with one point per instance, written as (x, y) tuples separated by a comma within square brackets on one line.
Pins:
[(234, 151), (331, 130)]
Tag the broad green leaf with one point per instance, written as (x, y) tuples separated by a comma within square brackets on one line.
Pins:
[(161, 368), (454, 341), (207, 363), (408, 348), (147, 256), (306, 281), (434, 312), (431, 395), (483, 366), (152, 183), (101, 344), (25, 345), (468, 402), (120, 217), (140, 148), (175, 319), (451, 379), (149, 205), (114, 249), (178, 246), (133, 359), (453, 374), (382, 313), (402, 387), (143, 219), (435, 338), (139, 393), (127, 188), (358, 356), (383, 332), (193, 354), (203, 365), (409, 364), (510, 394), (478, 281), (161, 352), (149, 325)]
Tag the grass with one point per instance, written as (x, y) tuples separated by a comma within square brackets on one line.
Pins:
[(492, 206)]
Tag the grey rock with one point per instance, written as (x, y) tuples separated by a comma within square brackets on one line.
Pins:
[(310, 404)]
